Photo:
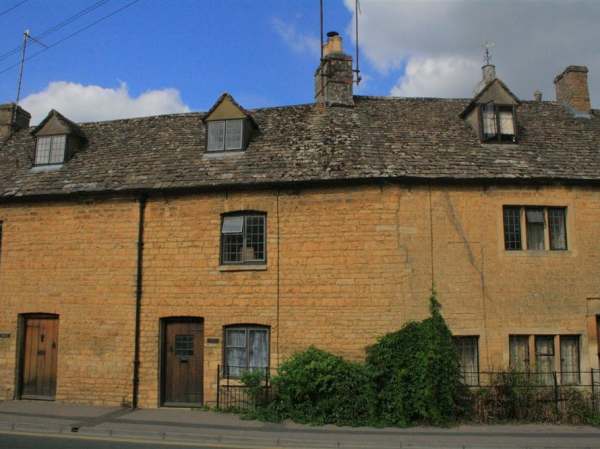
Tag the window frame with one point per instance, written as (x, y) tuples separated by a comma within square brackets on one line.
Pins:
[(498, 137), (524, 231), (577, 339), (564, 218), (224, 148), (246, 214), (527, 361), (472, 375), (247, 328), (49, 158)]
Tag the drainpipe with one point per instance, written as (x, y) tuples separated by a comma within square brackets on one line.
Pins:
[(138, 301)]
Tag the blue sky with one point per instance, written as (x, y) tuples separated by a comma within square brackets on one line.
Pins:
[(263, 52), (162, 56)]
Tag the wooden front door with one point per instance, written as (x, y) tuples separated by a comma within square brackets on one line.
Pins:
[(183, 356), (40, 349)]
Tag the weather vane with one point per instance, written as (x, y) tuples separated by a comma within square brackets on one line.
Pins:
[(488, 45)]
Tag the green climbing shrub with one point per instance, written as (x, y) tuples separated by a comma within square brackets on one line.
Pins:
[(416, 372), (317, 387), (411, 376)]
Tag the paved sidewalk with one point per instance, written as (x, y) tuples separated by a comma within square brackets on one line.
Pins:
[(209, 429)]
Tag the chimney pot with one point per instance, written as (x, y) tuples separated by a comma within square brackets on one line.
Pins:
[(572, 90), (333, 44), (12, 118), (537, 96)]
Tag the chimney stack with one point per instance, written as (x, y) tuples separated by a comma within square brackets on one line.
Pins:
[(334, 78), (488, 72), (12, 119), (572, 90)]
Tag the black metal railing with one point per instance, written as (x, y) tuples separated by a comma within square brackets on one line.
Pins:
[(532, 395), (232, 393)]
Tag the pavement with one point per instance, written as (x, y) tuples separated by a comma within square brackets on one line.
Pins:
[(168, 427)]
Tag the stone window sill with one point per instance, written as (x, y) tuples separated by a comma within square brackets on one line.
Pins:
[(539, 253), (243, 267)]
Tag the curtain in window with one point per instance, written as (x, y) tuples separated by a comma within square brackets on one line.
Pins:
[(544, 358), (569, 360), (535, 229), (489, 120), (259, 348), (468, 353), (519, 352), (507, 125), (216, 135), (235, 351), (42, 154), (57, 150), (233, 135), (556, 222)]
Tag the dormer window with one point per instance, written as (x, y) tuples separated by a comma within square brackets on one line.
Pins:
[(229, 127), (497, 123), (57, 139), (50, 150), (225, 135)]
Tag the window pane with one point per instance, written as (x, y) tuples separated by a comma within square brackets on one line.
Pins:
[(236, 361), (489, 121), (236, 338), (535, 216), (57, 150), (232, 247), (569, 359), (233, 225), (42, 154), (233, 135), (512, 228), (507, 126), (255, 238), (259, 348), (216, 135), (468, 354), (544, 358), (519, 352), (556, 224), (535, 229), (184, 345)]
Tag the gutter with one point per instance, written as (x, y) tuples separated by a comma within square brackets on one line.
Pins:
[(138, 301), (309, 183)]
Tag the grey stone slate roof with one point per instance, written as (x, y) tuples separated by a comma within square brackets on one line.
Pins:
[(396, 138)]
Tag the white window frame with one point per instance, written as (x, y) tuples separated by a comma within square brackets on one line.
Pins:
[(51, 140), (223, 145)]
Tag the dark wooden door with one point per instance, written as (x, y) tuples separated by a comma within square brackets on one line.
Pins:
[(39, 358), (183, 357)]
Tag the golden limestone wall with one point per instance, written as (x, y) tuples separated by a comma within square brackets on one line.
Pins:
[(77, 260), (344, 265)]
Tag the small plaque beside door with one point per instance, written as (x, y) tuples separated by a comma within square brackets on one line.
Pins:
[(212, 341)]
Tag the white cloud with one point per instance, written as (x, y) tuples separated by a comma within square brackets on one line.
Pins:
[(535, 39), (437, 77), (92, 103), (297, 41)]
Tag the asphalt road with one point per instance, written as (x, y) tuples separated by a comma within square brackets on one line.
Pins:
[(28, 441)]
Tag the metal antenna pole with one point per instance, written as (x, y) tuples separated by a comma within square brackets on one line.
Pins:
[(23, 49), (356, 11), (321, 4)]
